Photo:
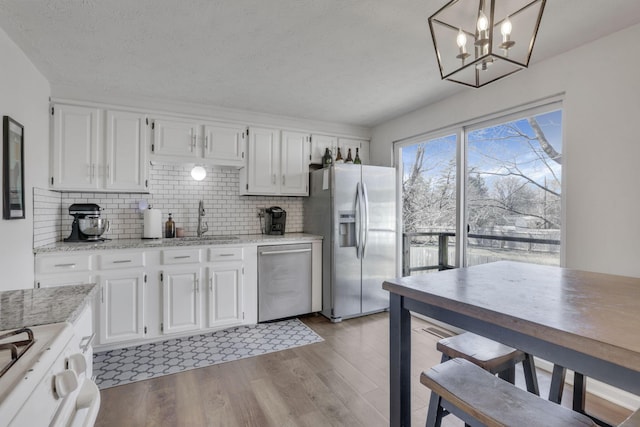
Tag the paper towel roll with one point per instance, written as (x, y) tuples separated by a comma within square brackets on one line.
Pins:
[(152, 224)]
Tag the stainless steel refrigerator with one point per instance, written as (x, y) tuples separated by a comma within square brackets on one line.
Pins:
[(354, 208)]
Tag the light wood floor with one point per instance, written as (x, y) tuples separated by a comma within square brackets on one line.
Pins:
[(342, 381)]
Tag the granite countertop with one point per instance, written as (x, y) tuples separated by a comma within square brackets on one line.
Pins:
[(33, 307), (184, 241)]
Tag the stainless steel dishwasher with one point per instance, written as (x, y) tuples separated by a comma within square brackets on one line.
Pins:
[(284, 281)]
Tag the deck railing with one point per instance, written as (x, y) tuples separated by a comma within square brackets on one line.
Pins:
[(443, 247)]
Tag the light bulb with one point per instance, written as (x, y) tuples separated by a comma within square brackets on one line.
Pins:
[(506, 28), (483, 22), (461, 40), (198, 173)]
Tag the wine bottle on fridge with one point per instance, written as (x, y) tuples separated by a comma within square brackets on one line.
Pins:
[(327, 159), (349, 158), (339, 158), (357, 159)]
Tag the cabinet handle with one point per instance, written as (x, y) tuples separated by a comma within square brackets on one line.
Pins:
[(226, 254), (84, 347), (273, 178), (108, 172), (206, 142), (211, 284), (282, 179), (93, 172), (182, 256), (196, 287), (72, 265)]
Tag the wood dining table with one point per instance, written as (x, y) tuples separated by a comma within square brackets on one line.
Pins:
[(585, 321)]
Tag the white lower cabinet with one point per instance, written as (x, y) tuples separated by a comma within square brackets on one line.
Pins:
[(180, 299), (149, 294), (121, 306), (225, 295)]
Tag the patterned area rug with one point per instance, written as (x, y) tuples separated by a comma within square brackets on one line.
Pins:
[(127, 365)]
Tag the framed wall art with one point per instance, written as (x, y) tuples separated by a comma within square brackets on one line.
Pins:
[(13, 171)]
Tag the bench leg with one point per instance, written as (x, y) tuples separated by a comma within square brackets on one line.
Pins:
[(530, 375), (557, 383), (509, 375), (579, 391), (435, 411)]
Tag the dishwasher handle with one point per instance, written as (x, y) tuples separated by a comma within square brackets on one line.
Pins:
[(291, 251)]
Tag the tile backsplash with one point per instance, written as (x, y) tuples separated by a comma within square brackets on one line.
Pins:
[(172, 190)]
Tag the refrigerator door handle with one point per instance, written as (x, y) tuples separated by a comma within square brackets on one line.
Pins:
[(365, 224), (358, 220)]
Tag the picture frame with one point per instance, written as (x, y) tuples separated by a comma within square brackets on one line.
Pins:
[(13, 169)]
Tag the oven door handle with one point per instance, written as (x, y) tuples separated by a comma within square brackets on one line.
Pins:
[(86, 342), (88, 397)]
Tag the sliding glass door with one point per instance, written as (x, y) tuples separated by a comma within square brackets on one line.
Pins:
[(513, 190), (483, 192), (429, 194)]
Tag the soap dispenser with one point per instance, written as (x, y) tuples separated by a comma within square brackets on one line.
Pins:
[(169, 228)]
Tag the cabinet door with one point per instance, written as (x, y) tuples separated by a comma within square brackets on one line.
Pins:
[(295, 147), (263, 166), (361, 144), (125, 147), (318, 145), (176, 138), (121, 307), (74, 152), (225, 294), (225, 144), (181, 300)]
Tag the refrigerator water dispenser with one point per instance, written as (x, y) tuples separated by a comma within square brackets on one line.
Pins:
[(347, 229)]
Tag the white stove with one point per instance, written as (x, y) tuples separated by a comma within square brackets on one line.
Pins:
[(46, 382)]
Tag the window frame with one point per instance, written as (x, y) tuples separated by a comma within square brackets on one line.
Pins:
[(461, 130)]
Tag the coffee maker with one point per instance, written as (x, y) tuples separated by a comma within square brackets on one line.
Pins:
[(87, 224), (275, 220)]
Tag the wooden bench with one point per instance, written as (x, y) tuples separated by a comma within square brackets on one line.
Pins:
[(480, 398), (491, 356)]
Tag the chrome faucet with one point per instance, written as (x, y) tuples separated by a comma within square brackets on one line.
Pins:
[(202, 228)]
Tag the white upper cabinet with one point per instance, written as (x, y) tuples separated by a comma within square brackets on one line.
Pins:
[(225, 143), (361, 144), (263, 163), (277, 163), (215, 143), (174, 137), (75, 147), (319, 143), (126, 151), (94, 149), (294, 165)]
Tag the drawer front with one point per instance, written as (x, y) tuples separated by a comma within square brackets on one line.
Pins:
[(225, 254), (63, 263), (180, 256), (118, 260)]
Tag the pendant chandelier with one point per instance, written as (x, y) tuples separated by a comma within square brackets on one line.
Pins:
[(480, 41)]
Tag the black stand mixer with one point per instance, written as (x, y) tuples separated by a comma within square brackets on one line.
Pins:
[(87, 224)]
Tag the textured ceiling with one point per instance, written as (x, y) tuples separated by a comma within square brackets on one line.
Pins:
[(358, 62)]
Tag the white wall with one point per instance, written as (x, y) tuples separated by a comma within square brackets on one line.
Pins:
[(601, 87), (24, 96)]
